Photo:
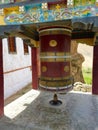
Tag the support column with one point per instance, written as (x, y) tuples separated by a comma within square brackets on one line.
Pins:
[(95, 71), (34, 68), (1, 81)]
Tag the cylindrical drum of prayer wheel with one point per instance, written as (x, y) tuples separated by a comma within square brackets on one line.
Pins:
[(55, 58)]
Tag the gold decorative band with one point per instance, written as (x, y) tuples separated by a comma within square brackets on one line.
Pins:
[(55, 31), (54, 79), (55, 59), (63, 88), (55, 83), (55, 54)]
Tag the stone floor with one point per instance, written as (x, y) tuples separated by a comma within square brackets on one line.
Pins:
[(32, 111)]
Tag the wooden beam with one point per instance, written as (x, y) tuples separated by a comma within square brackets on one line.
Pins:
[(30, 32), (6, 31), (22, 31), (82, 26), (82, 34), (88, 41)]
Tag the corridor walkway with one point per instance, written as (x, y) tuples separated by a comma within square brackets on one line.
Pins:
[(32, 111)]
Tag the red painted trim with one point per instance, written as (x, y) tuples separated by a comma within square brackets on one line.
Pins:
[(1, 82), (17, 69), (34, 68), (57, 2)]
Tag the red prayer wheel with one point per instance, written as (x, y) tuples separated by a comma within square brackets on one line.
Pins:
[(55, 58)]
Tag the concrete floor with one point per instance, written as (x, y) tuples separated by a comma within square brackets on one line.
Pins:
[(32, 111)]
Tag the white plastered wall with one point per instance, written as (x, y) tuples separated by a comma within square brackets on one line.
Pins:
[(16, 67)]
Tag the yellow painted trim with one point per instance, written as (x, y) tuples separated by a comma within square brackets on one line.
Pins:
[(2, 20), (88, 41)]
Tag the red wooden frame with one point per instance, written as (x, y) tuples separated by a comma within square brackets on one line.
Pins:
[(57, 2), (34, 67), (1, 81), (95, 71)]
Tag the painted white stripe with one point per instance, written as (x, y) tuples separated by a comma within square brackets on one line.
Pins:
[(61, 29), (56, 88)]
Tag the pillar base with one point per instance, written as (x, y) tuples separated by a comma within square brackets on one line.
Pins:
[(55, 101)]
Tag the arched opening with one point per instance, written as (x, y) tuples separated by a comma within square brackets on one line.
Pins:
[(83, 65)]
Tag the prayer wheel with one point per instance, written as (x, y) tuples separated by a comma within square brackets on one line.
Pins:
[(55, 58)]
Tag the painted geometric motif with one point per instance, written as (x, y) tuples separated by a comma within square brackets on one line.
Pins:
[(36, 13)]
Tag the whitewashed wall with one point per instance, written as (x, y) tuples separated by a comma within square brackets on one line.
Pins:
[(17, 73)]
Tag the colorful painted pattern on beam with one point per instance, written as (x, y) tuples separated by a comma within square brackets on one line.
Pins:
[(35, 14)]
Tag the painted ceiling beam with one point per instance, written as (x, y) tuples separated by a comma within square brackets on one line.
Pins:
[(88, 20), (19, 30), (5, 31), (88, 24), (29, 32), (82, 34), (30, 12)]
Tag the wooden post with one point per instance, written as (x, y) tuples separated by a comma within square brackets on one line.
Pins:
[(34, 68), (1, 81), (95, 71)]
